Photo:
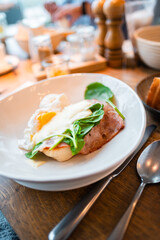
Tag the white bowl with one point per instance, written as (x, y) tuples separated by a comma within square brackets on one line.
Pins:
[(148, 45)]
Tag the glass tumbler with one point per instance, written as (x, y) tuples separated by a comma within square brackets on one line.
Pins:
[(56, 67), (138, 14), (40, 47), (82, 44)]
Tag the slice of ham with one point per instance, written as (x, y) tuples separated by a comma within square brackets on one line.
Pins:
[(109, 126)]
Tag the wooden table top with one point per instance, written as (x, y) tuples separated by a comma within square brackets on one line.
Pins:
[(32, 213)]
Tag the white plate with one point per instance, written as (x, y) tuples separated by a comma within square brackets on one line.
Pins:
[(81, 170)]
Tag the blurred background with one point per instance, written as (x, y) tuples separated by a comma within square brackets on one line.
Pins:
[(16, 10), (25, 24)]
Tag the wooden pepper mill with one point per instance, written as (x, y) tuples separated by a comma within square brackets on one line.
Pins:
[(114, 10), (97, 9)]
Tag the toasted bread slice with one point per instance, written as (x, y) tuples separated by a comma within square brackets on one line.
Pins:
[(153, 97), (60, 154)]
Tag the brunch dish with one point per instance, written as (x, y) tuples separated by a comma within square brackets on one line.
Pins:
[(149, 92), (61, 130), (80, 169)]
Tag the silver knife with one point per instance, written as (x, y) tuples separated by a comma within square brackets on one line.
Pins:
[(66, 226)]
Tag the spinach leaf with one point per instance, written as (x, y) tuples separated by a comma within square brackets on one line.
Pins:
[(34, 151), (75, 149), (98, 91), (116, 109), (57, 142), (96, 107), (83, 126)]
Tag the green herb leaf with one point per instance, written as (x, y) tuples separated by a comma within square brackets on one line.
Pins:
[(77, 149), (57, 142), (83, 126), (98, 91), (116, 109), (96, 107), (34, 151), (80, 144)]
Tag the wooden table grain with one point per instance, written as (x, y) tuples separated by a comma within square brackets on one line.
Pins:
[(32, 213)]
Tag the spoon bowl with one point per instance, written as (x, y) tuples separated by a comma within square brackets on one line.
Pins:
[(148, 165)]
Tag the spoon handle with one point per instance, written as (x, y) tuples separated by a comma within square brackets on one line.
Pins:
[(120, 229)]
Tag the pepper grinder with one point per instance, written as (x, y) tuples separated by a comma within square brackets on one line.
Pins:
[(114, 11), (97, 9)]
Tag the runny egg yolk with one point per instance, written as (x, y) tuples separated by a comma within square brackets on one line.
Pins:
[(44, 118)]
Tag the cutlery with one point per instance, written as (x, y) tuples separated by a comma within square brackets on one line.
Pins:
[(66, 226), (148, 168)]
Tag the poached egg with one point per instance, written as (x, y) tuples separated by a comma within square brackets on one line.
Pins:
[(53, 117)]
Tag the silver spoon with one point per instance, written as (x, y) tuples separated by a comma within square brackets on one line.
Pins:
[(148, 167)]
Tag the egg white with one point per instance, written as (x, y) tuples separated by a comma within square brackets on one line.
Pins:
[(50, 103), (63, 120), (65, 115)]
